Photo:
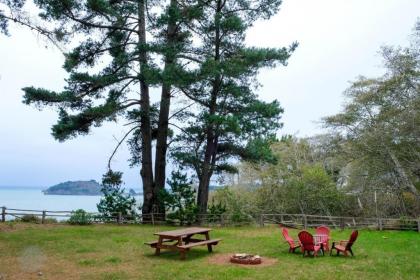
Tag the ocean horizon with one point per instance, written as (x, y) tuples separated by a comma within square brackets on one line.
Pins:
[(32, 198)]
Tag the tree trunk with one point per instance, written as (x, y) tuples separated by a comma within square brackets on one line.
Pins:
[(405, 180), (146, 131), (211, 143), (165, 102), (204, 181)]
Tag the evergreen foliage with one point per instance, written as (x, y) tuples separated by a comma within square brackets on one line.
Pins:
[(13, 6), (114, 199), (180, 199), (80, 217), (229, 121)]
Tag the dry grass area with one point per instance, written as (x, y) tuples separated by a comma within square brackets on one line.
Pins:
[(29, 251)]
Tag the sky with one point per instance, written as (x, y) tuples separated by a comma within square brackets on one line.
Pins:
[(338, 41)]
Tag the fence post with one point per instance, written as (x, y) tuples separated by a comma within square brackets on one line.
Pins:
[(44, 213), (380, 224), (418, 224), (342, 223), (305, 221), (261, 220), (119, 219), (153, 219), (222, 220), (3, 214)]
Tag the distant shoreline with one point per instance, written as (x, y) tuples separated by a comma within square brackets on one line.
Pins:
[(42, 189), (70, 194)]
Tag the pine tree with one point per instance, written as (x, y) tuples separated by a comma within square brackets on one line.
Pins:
[(229, 121), (114, 199)]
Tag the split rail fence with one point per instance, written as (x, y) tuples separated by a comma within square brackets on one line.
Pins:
[(289, 220)]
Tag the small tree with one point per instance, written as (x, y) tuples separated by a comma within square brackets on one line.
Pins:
[(180, 199), (114, 199)]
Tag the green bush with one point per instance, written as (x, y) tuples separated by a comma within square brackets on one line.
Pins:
[(80, 217), (215, 211), (114, 199), (30, 218), (235, 203), (180, 199)]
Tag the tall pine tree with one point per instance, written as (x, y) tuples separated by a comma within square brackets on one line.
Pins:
[(229, 121)]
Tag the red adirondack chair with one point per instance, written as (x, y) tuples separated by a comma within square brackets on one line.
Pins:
[(308, 245), (344, 246), (292, 245), (324, 230)]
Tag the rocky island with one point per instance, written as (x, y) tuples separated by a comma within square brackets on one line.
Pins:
[(75, 188)]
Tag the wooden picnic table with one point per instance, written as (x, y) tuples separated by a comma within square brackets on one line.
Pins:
[(182, 240)]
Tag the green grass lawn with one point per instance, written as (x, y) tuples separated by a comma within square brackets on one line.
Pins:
[(117, 252)]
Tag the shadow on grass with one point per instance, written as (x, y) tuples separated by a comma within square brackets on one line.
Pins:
[(176, 256)]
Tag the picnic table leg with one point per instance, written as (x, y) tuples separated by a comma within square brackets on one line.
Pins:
[(187, 239), (181, 251), (158, 245), (208, 245)]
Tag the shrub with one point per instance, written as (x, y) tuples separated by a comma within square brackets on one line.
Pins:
[(80, 217), (115, 200), (50, 221), (30, 218), (216, 210), (236, 203), (180, 199), (407, 223)]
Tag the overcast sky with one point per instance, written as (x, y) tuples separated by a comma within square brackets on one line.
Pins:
[(338, 40)]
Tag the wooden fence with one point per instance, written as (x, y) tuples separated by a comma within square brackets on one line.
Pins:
[(299, 221)]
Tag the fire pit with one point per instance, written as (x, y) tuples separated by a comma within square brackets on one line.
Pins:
[(245, 259)]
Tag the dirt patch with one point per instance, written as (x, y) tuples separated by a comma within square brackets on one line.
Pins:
[(224, 259)]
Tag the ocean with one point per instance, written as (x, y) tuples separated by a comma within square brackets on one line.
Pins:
[(32, 198)]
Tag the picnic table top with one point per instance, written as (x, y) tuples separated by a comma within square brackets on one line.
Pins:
[(183, 232)]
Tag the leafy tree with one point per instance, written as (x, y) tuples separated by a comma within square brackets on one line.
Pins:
[(299, 183), (180, 199), (380, 123), (114, 199), (237, 204), (227, 120)]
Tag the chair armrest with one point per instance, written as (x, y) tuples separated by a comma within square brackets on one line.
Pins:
[(339, 241)]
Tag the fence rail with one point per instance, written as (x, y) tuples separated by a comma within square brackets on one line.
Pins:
[(289, 220)]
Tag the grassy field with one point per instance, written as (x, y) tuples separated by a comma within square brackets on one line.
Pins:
[(29, 251)]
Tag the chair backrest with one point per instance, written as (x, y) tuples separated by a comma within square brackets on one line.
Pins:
[(352, 239), (307, 240), (286, 236), (323, 230)]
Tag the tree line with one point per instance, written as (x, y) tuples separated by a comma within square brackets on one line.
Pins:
[(367, 163)]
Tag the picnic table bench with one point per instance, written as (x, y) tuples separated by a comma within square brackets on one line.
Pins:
[(182, 240)]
